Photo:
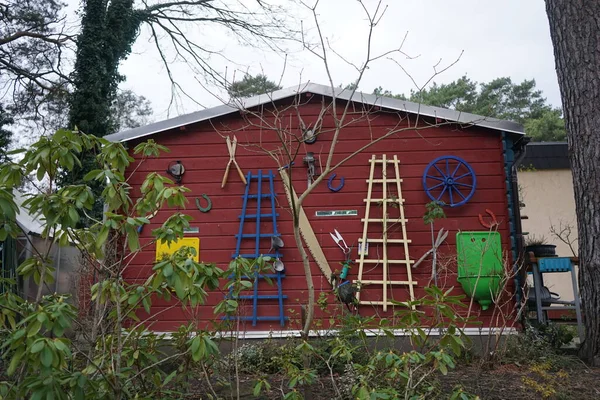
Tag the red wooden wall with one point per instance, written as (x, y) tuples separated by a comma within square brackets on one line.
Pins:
[(204, 154)]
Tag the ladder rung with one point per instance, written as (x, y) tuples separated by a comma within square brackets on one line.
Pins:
[(382, 220), (389, 282), (269, 175), (262, 276), (387, 161), (254, 255), (261, 297), (375, 302), (257, 318), (261, 215), (253, 235), (255, 196), (382, 200), (386, 180), (388, 241), (388, 261)]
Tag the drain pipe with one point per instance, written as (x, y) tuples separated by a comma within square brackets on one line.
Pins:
[(520, 151)]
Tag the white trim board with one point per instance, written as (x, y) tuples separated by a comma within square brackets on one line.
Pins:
[(295, 333)]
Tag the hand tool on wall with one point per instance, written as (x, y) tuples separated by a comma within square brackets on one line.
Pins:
[(441, 236), (305, 229), (231, 146), (149, 217), (339, 240), (310, 162)]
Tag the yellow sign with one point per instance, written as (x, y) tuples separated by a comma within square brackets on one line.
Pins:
[(163, 249)]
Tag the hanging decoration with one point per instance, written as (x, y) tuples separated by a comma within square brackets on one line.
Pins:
[(257, 218), (493, 224), (480, 269), (208, 201), (166, 249), (336, 213), (309, 135), (176, 170), (382, 223), (330, 183), (449, 180)]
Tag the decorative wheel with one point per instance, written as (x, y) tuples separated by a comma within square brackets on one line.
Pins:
[(449, 180)]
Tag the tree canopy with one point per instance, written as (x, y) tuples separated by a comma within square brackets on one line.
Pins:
[(252, 85), (500, 98), (33, 39), (129, 110)]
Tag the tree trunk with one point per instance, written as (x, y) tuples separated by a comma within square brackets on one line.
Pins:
[(575, 31), (310, 308)]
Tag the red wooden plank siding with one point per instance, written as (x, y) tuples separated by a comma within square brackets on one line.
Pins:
[(204, 154)]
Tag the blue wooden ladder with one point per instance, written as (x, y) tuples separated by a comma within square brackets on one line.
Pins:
[(257, 218)]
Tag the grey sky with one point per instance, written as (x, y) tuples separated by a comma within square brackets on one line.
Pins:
[(499, 38)]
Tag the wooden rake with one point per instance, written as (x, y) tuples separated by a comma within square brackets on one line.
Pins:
[(231, 148)]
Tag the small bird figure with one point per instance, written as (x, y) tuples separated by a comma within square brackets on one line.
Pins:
[(345, 292)]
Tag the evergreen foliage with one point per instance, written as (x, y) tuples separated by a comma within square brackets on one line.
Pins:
[(500, 98), (252, 85)]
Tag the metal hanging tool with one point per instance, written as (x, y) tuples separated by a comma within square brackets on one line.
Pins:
[(231, 149), (276, 244), (310, 161), (339, 240)]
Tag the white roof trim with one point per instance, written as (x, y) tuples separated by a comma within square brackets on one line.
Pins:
[(343, 94), (30, 224)]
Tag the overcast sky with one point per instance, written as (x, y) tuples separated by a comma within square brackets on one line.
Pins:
[(499, 38)]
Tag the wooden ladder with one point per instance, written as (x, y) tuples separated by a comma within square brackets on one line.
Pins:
[(385, 262)]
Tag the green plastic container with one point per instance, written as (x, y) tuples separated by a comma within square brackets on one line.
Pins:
[(480, 267)]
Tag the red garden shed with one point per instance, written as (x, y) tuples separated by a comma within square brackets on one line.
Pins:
[(411, 155)]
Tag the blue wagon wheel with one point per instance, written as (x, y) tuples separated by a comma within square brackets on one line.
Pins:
[(449, 180)]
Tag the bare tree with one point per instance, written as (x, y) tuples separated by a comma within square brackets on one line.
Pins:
[(33, 40), (341, 109)]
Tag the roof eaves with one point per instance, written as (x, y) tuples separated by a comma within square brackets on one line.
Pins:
[(340, 93)]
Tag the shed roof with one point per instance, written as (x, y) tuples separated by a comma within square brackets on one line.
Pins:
[(343, 94), (546, 155), (30, 224)]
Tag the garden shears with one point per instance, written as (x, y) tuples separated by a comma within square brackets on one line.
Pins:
[(231, 149), (339, 240)]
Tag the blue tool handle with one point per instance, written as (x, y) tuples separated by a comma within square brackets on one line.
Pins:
[(344, 273)]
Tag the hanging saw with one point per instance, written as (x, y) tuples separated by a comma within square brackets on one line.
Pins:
[(306, 230)]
